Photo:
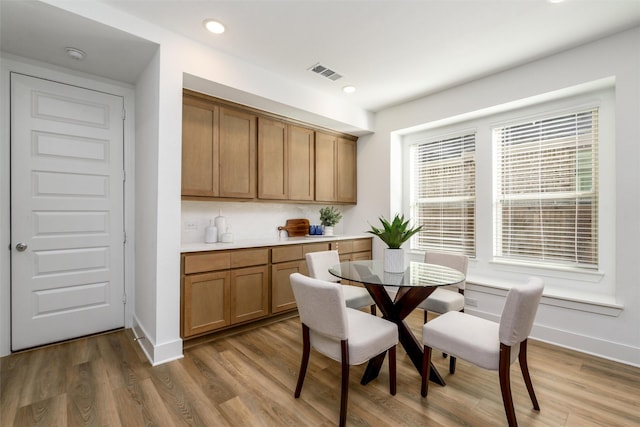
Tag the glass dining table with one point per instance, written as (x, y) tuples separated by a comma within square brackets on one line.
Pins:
[(416, 283)]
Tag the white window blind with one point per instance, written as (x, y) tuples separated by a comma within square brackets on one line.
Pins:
[(443, 193), (546, 187)]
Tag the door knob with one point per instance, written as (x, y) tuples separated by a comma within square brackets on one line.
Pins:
[(21, 247)]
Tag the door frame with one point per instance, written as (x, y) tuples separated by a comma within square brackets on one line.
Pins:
[(11, 63)]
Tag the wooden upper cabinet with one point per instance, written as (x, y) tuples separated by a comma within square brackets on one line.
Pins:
[(199, 150), (336, 169), (230, 151), (238, 146), (326, 167), (285, 161), (301, 158), (272, 159), (346, 171)]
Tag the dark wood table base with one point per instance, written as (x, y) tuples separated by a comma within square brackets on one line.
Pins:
[(396, 311)]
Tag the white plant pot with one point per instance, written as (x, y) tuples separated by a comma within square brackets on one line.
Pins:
[(393, 260), (328, 230)]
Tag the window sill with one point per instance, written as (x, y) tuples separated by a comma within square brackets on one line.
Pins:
[(590, 303)]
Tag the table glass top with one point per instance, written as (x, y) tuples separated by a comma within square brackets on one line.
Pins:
[(416, 274)]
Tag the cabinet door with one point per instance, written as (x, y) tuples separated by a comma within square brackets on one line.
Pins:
[(301, 162), (272, 160), (325, 167), (282, 298), (360, 256), (249, 293), (237, 154), (199, 151), (346, 172), (205, 299)]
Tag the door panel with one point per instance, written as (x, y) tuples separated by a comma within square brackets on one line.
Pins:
[(67, 209)]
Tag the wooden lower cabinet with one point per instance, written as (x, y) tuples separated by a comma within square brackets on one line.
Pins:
[(353, 250), (249, 294), (213, 300), (281, 294), (222, 289), (205, 302), (286, 260)]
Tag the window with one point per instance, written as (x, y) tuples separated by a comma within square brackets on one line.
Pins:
[(443, 193), (546, 190)]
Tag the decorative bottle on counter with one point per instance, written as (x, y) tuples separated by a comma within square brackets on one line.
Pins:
[(211, 233), (221, 225)]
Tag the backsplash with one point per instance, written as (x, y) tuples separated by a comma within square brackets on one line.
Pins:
[(246, 220)]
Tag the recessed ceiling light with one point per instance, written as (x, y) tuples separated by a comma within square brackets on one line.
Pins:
[(75, 53), (216, 27), (349, 89)]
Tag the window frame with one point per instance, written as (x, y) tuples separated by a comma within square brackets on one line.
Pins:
[(462, 200), (541, 199), (485, 268)]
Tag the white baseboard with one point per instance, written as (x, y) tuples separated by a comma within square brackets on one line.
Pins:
[(156, 354), (616, 352)]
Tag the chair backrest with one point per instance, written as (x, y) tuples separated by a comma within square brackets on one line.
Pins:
[(321, 305), (456, 261), (318, 264), (519, 311)]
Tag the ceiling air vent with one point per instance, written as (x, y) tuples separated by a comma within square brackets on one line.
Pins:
[(325, 72)]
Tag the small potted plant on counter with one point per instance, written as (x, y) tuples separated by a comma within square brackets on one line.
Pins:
[(329, 217), (394, 234)]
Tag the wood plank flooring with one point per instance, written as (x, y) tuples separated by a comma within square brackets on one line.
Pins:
[(248, 379)]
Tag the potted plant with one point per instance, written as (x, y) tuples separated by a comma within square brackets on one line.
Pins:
[(329, 217), (394, 234)]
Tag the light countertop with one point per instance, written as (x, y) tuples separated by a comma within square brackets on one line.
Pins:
[(255, 243)]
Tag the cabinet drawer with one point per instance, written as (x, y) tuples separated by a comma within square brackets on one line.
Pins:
[(247, 258), (362, 245), (210, 261), (286, 253), (315, 247), (344, 246)]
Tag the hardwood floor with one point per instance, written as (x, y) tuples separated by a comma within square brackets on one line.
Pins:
[(248, 379)]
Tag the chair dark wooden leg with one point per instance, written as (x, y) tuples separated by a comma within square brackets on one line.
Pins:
[(306, 350), (505, 384), (373, 309), (392, 370), (425, 316), (524, 367), (426, 363), (344, 394)]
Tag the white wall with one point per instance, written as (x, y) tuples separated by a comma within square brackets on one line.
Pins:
[(157, 231), (158, 205), (590, 326), (249, 221)]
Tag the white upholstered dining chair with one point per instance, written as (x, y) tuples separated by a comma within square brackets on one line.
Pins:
[(449, 298), (487, 344), (344, 334), (318, 264)]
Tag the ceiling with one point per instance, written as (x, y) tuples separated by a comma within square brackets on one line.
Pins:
[(392, 51)]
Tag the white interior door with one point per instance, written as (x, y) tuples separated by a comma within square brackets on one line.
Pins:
[(67, 226)]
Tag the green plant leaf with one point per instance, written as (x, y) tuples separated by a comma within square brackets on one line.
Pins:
[(396, 232), (330, 216)]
